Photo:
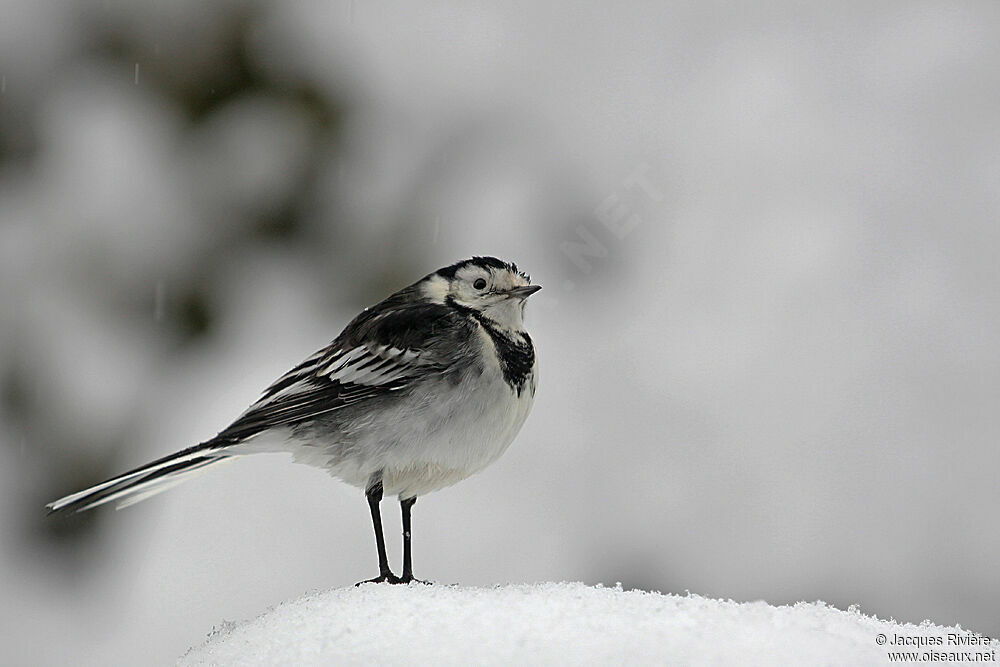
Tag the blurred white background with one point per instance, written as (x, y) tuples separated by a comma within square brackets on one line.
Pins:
[(768, 236)]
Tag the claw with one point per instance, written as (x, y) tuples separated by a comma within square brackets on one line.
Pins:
[(384, 578)]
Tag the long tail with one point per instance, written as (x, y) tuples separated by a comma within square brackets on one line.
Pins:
[(147, 480)]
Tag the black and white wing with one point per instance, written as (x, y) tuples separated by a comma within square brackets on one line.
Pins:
[(330, 380), (378, 354)]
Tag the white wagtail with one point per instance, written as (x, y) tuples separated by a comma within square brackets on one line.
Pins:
[(418, 392)]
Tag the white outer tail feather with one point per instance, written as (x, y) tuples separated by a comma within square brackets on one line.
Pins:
[(133, 494), (142, 489)]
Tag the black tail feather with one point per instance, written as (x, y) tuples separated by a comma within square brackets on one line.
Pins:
[(146, 480)]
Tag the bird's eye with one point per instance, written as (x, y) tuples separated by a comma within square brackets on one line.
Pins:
[(480, 284)]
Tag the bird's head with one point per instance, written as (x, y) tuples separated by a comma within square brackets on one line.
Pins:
[(485, 285)]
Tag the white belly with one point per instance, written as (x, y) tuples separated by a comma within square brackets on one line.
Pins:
[(470, 431), (431, 440)]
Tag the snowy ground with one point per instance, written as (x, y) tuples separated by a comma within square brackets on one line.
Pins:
[(567, 623)]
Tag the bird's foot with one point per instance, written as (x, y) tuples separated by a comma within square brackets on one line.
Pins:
[(408, 578), (384, 578)]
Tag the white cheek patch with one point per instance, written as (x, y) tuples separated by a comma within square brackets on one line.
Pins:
[(435, 289)]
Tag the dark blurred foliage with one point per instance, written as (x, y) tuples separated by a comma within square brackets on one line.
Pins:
[(222, 71)]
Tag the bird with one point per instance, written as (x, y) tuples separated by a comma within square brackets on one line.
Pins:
[(418, 392)]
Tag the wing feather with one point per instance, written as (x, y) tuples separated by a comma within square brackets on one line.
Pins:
[(329, 382), (383, 350)]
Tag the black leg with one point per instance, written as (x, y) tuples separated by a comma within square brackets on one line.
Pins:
[(405, 505), (374, 493)]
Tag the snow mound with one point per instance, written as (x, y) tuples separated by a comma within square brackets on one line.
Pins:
[(563, 623)]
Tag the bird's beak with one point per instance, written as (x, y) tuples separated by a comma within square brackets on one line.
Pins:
[(523, 292)]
